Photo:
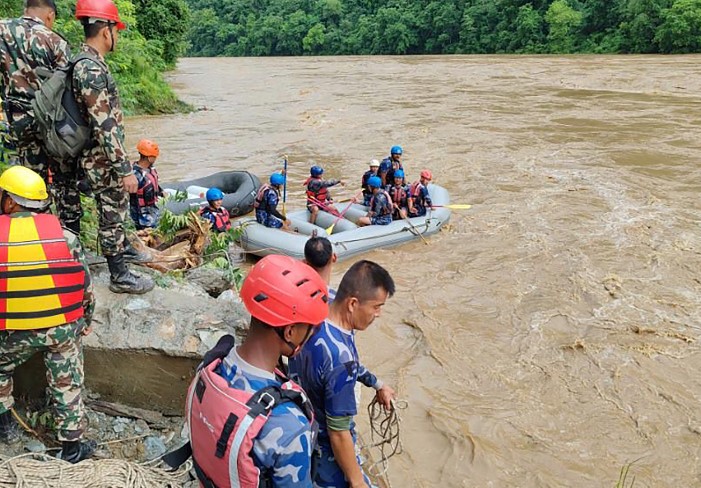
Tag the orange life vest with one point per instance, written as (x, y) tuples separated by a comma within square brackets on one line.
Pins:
[(398, 194), (41, 283)]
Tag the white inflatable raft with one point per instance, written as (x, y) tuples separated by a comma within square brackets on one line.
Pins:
[(347, 238)]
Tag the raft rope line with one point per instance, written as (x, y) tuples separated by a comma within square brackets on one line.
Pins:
[(384, 436)]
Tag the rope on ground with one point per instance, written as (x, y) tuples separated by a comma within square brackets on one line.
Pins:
[(384, 436), (43, 471)]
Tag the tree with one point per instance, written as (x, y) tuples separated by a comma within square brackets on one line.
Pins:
[(681, 27), (314, 40), (563, 22), (167, 21)]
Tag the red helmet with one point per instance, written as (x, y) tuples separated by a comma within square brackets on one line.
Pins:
[(148, 148), (281, 291), (426, 174), (98, 9)]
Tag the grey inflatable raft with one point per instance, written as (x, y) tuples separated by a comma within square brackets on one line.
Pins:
[(347, 238), (239, 187)]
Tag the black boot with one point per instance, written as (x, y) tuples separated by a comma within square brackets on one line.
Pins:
[(76, 451), (9, 430), (124, 281), (131, 255)]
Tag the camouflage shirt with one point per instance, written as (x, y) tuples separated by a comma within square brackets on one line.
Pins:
[(27, 44), (98, 97)]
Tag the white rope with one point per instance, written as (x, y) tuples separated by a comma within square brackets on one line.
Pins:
[(43, 471), (384, 436)]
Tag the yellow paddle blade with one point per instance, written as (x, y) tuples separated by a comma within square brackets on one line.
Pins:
[(456, 206), (329, 229)]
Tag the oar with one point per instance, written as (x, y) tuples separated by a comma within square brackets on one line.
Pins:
[(454, 206), (329, 229), (415, 229), (284, 187), (324, 206)]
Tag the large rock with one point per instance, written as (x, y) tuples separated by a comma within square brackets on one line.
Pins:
[(144, 348)]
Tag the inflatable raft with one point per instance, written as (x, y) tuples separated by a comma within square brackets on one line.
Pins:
[(239, 187), (347, 238)]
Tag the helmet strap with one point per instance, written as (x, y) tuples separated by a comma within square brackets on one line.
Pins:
[(295, 348), (109, 26)]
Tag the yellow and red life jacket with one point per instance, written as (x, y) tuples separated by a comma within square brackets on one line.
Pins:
[(41, 283)]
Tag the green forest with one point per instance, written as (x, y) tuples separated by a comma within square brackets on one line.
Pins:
[(319, 27), (156, 35)]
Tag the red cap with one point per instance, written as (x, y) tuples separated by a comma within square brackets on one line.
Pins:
[(281, 291), (426, 174), (99, 9)]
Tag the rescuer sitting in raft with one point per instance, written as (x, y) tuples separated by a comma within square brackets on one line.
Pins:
[(266, 202), (419, 199), (215, 213), (143, 209), (318, 197), (391, 164), (367, 191), (47, 307), (398, 194), (380, 205)]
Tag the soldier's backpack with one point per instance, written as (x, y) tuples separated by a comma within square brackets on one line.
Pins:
[(59, 122)]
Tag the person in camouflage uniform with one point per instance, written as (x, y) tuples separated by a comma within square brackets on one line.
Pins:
[(37, 247), (29, 52), (104, 161)]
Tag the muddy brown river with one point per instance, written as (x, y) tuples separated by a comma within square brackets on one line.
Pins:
[(550, 335)]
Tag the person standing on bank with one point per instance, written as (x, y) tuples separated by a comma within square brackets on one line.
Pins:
[(29, 52), (104, 160), (47, 306), (328, 368)]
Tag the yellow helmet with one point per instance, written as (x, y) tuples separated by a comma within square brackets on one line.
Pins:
[(25, 187)]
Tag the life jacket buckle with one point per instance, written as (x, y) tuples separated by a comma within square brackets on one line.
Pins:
[(270, 400)]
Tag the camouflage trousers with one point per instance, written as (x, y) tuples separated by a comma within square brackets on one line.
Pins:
[(61, 179), (112, 202), (63, 356)]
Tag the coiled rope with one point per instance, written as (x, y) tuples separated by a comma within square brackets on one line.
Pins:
[(43, 471), (384, 436)]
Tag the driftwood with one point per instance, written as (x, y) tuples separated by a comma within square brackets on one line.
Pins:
[(151, 417), (183, 252)]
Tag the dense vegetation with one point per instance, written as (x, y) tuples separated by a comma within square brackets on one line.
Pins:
[(156, 35), (296, 27)]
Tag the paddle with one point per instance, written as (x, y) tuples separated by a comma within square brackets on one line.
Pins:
[(412, 226), (323, 206), (329, 229), (455, 206), (284, 186)]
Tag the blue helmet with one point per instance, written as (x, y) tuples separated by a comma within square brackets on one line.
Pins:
[(277, 179), (399, 173), (374, 182), (214, 194), (396, 150), (316, 171)]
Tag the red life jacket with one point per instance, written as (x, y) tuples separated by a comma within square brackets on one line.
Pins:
[(148, 194), (321, 195), (387, 209), (222, 223), (398, 194), (260, 196), (223, 423), (415, 189), (41, 283)]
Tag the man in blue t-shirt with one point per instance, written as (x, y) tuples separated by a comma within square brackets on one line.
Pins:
[(328, 368)]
